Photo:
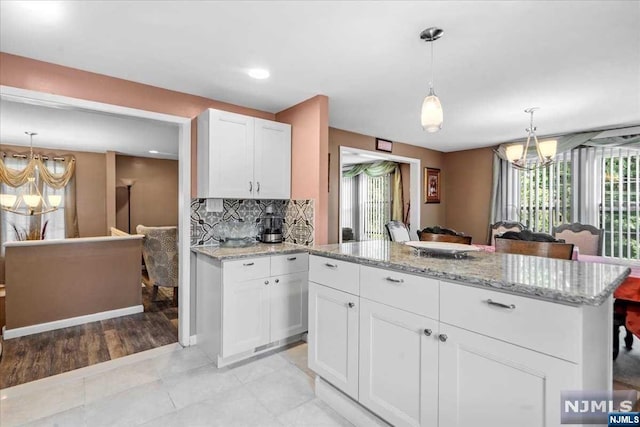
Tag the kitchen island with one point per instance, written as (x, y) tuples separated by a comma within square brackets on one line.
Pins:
[(487, 340)]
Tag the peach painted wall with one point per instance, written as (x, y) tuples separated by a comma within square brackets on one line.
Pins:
[(27, 73), (431, 214), (468, 191), (309, 157), (154, 195), (91, 188)]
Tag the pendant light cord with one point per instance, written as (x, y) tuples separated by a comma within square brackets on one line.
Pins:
[(432, 73)]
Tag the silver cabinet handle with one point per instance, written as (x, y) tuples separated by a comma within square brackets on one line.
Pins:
[(248, 264), (331, 265), (500, 304), (351, 305), (292, 258), (277, 280), (391, 279), (250, 187), (266, 282), (257, 186), (443, 337), (428, 332)]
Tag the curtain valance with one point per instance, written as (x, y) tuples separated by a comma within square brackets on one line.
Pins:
[(37, 166), (584, 139)]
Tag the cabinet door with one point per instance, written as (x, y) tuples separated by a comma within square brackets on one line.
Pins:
[(398, 365), (486, 382), (245, 315), (230, 155), (333, 337), (272, 160), (289, 302)]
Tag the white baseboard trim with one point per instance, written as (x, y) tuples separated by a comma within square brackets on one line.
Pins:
[(8, 334), (355, 413)]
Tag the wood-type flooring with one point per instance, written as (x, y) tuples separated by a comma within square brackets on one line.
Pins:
[(37, 356)]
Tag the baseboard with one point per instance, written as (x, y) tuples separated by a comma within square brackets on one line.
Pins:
[(8, 334), (222, 362), (193, 340), (355, 413)]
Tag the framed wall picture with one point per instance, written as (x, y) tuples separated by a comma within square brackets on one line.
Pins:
[(384, 145), (432, 185)]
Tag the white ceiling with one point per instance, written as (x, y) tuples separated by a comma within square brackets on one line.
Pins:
[(82, 130), (577, 60)]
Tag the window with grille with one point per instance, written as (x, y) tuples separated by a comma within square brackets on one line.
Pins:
[(365, 206), (620, 204), (591, 185)]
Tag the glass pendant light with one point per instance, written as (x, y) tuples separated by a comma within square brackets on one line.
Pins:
[(431, 116)]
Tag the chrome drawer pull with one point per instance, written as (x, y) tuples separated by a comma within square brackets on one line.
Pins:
[(502, 305), (351, 305), (391, 279), (428, 332), (250, 187), (331, 265), (292, 258), (248, 264), (443, 337)]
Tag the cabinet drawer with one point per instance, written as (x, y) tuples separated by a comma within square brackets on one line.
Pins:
[(246, 269), (546, 327), (336, 274), (290, 263), (404, 291)]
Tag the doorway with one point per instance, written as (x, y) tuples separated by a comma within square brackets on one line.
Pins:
[(366, 199), (183, 143)]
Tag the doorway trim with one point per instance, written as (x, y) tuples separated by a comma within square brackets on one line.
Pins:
[(184, 184), (414, 185)]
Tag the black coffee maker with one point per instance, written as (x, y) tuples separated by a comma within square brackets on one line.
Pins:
[(270, 227)]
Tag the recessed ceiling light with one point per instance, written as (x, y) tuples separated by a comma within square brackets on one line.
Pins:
[(259, 73), (47, 11), (154, 151)]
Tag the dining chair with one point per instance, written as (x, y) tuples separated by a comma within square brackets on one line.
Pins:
[(501, 227), (534, 248), (160, 253), (586, 237), (398, 231), (449, 238)]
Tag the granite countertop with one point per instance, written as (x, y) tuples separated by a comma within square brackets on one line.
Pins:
[(561, 281), (259, 249)]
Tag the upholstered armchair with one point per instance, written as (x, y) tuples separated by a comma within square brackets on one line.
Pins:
[(160, 253)]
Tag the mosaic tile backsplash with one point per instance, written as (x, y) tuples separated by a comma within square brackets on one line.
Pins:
[(297, 214)]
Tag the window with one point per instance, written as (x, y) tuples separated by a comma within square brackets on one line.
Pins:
[(620, 203), (13, 224), (592, 185), (366, 206)]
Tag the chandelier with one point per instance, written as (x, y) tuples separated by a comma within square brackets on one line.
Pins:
[(29, 201), (546, 150), (431, 116)]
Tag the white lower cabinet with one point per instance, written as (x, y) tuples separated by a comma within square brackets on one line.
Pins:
[(248, 306), (246, 314), (333, 337), (288, 297), (487, 382), (398, 365)]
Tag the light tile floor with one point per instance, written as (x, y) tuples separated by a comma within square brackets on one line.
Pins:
[(175, 387)]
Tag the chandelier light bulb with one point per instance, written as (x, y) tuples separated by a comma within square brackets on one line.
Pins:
[(8, 200), (54, 200), (31, 200)]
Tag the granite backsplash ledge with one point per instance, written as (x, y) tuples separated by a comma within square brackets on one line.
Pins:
[(297, 218)]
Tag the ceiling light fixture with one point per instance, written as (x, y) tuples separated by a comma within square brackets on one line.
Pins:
[(431, 117), (259, 73), (154, 151), (517, 153), (30, 201)]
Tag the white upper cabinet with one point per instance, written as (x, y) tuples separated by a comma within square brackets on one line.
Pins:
[(243, 157), (272, 160)]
